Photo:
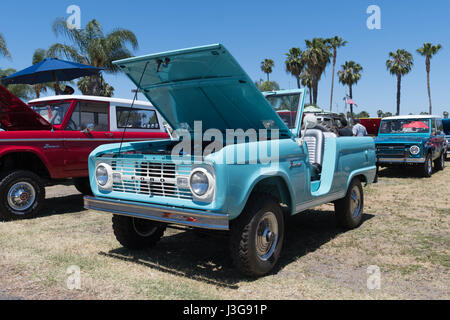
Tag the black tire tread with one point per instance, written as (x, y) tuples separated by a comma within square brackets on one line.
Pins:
[(342, 208), (127, 237), (6, 179), (240, 234)]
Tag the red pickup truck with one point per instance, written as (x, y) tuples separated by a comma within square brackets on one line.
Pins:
[(50, 139)]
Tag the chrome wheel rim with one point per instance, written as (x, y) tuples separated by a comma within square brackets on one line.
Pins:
[(144, 228), (355, 201), (266, 236), (21, 196)]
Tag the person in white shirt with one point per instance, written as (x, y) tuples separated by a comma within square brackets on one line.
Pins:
[(358, 129)]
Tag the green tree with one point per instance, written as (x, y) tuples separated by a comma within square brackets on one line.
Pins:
[(380, 113), (92, 47), (3, 48), (307, 82), (317, 55), (265, 86), (387, 114), (267, 67), (295, 64), (399, 64), (22, 91), (334, 44), (363, 114), (105, 91), (445, 114), (349, 75), (428, 51)]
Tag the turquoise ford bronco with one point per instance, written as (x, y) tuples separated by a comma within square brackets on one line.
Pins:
[(232, 165)]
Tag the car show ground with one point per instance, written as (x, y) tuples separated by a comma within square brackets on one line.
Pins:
[(401, 251)]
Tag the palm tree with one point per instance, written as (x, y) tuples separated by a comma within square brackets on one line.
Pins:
[(3, 48), (295, 64), (317, 56), (307, 82), (349, 75), (267, 67), (399, 64), (428, 51), (91, 46), (334, 44)]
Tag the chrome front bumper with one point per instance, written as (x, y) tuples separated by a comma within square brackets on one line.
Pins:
[(169, 215), (401, 160)]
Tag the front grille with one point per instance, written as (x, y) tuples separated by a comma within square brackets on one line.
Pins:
[(151, 178), (392, 151)]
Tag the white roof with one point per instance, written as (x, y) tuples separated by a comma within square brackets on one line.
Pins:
[(91, 98), (410, 117)]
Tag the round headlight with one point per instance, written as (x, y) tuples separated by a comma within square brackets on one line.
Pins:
[(414, 150), (199, 183), (103, 174)]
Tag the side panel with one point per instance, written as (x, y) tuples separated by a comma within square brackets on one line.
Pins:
[(47, 145)]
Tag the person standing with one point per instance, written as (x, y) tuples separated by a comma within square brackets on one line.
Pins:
[(345, 131), (358, 129)]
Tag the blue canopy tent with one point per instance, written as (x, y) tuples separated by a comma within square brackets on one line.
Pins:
[(51, 70)]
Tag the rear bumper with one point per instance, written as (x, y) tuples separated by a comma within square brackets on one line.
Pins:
[(384, 160), (169, 215)]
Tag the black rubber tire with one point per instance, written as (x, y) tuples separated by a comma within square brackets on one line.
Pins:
[(8, 180), (439, 163), (125, 230), (344, 215), (83, 186), (427, 167), (243, 231)]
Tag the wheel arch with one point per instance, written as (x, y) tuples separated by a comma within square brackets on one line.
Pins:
[(24, 160), (277, 187)]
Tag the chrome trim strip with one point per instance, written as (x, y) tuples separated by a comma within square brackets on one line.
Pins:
[(401, 160), (170, 215)]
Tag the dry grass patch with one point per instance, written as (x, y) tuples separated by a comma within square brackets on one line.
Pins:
[(405, 233)]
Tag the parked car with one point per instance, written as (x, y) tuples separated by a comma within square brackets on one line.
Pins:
[(372, 125), (51, 138), (412, 140), (446, 124), (237, 187)]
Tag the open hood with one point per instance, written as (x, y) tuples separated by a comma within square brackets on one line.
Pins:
[(202, 84), (15, 115)]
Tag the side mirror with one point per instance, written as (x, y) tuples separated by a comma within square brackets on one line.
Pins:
[(89, 128)]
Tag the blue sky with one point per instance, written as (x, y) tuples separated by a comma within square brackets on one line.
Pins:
[(255, 30)]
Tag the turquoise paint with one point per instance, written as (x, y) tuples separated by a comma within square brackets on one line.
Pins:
[(226, 102)]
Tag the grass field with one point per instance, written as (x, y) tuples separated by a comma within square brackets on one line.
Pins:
[(405, 234)]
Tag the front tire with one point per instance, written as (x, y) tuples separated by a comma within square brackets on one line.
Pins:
[(134, 233), (427, 169), (83, 186), (350, 210), (257, 236), (22, 195), (439, 164)]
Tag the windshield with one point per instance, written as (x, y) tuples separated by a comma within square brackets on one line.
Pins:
[(405, 126), (54, 113), (287, 107)]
